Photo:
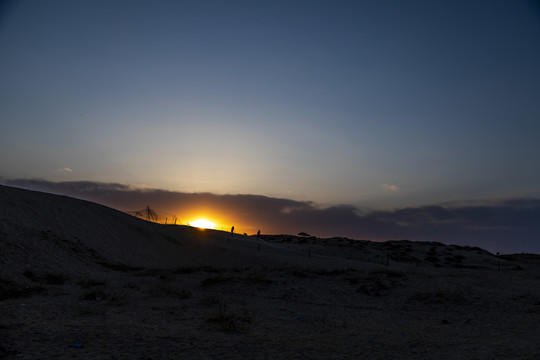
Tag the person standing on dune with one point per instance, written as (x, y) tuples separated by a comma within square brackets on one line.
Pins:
[(232, 230)]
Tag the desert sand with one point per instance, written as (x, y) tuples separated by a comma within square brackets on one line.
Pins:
[(80, 280)]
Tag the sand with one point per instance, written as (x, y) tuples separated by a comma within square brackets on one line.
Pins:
[(80, 280)]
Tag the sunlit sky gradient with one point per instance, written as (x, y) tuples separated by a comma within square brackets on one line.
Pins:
[(376, 104)]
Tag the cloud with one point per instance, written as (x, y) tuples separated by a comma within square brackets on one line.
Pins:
[(505, 226), (65, 170), (390, 188)]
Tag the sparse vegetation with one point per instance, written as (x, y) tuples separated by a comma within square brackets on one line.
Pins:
[(387, 273), (89, 283), (376, 282), (210, 300), (166, 290), (88, 309), (120, 267), (47, 278), (259, 277), (445, 296), (213, 280), (185, 270), (55, 279), (432, 259), (10, 290), (230, 322), (373, 286), (335, 272), (132, 285), (29, 274), (102, 294), (300, 273)]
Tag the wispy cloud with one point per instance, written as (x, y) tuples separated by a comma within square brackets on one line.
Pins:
[(506, 226), (390, 188), (65, 170)]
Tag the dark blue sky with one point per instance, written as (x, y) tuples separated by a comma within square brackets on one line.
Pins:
[(378, 104)]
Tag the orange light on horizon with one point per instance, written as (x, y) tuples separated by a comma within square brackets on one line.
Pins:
[(202, 224), (214, 218)]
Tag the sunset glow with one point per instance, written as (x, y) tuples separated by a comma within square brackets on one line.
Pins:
[(203, 224)]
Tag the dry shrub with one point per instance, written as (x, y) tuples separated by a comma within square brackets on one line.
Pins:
[(259, 277), (374, 287), (10, 290), (90, 283), (230, 322), (456, 296), (120, 267), (377, 282), (102, 294), (47, 278), (334, 272), (387, 273), (210, 300), (166, 290), (214, 280)]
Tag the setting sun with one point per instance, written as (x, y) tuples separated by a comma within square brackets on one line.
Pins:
[(203, 224)]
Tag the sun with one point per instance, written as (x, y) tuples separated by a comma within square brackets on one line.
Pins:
[(203, 224)]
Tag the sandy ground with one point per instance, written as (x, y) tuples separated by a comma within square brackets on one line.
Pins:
[(79, 280)]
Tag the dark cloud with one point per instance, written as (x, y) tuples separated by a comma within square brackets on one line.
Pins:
[(506, 226)]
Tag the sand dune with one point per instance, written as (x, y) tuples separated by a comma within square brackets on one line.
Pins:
[(80, 280)]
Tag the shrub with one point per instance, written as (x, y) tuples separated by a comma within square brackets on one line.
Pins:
[(55, 279), (230, 322), (375, 287), (441, 297), (334, 272), (259, 278), (10, 290), (101, 294), (89, 283), (213, 280), (185, 270), (165, 290), (48, 278), (29, 274), (387, 273), (210, 300)]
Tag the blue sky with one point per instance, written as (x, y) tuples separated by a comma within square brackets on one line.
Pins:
[(377, 104)]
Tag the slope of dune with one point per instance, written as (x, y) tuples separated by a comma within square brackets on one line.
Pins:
[(50, 231)]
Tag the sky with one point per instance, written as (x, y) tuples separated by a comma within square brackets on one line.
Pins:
[(370, 106)]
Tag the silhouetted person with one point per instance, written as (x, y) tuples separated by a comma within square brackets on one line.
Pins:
[(258, 234), (232, 230)]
